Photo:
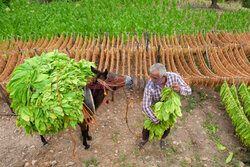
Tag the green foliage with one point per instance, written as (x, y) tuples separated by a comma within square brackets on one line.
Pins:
[(4, 3), (23, 18), (220, 1), (245, 97), (33, 89), (236, 113), (167, 111), (246, 3)]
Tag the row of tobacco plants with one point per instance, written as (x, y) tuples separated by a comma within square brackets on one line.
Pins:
[(32, 19)]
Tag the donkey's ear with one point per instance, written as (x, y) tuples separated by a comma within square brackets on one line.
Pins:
[(106, 72), (94, 70)]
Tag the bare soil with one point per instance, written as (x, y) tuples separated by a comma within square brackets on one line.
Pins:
[(189, 142)]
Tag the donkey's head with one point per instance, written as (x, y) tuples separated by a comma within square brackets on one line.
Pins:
[(111, 81)]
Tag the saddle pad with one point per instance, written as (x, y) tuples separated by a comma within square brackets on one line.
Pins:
[(88, 99)]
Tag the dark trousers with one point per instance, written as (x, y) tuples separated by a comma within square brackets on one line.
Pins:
[(145, 134)]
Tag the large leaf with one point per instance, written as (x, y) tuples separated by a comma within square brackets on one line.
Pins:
[(229, 158)]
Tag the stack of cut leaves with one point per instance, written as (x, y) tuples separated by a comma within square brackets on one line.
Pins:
[(167, 111), (36, 85), (230, 99)]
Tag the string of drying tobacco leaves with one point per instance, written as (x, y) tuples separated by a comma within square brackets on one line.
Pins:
[(235, 111), (245, 97)]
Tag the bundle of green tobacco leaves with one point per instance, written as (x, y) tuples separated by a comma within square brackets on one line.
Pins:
[(36, 85), (167, 111)]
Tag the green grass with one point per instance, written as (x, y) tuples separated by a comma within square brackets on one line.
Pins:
[(193, 102), (123, 157), (169, 160), (116, 134), (210, 124), (216, 159), (92, 161), (26, 19), (183, 163)]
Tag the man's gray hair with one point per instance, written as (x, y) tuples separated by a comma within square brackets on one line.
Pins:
[(158, 67)]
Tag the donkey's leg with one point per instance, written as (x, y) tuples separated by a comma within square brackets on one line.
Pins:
[(112, 96), (88, 137), (84, 134), (84, 139), (45, 143)]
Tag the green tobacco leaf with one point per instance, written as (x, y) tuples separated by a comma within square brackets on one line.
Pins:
[(223, 88), (58, 111), (23, 114), (220, 147), (235, 96), (53, 116), (151, 135), (42, 127), (229, 158), (157, 106), (178, 112), (28, 129), (166, 117), (147, 123)]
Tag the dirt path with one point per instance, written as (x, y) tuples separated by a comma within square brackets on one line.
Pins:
[(190, 143)]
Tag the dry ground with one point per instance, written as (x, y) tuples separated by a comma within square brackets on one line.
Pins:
[(190, 143)]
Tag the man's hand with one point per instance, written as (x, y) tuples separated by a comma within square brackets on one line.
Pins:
[(176, 87), (156, 123)]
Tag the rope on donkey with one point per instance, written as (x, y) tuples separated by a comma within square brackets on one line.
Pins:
[(8, 115), (89, 116)]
